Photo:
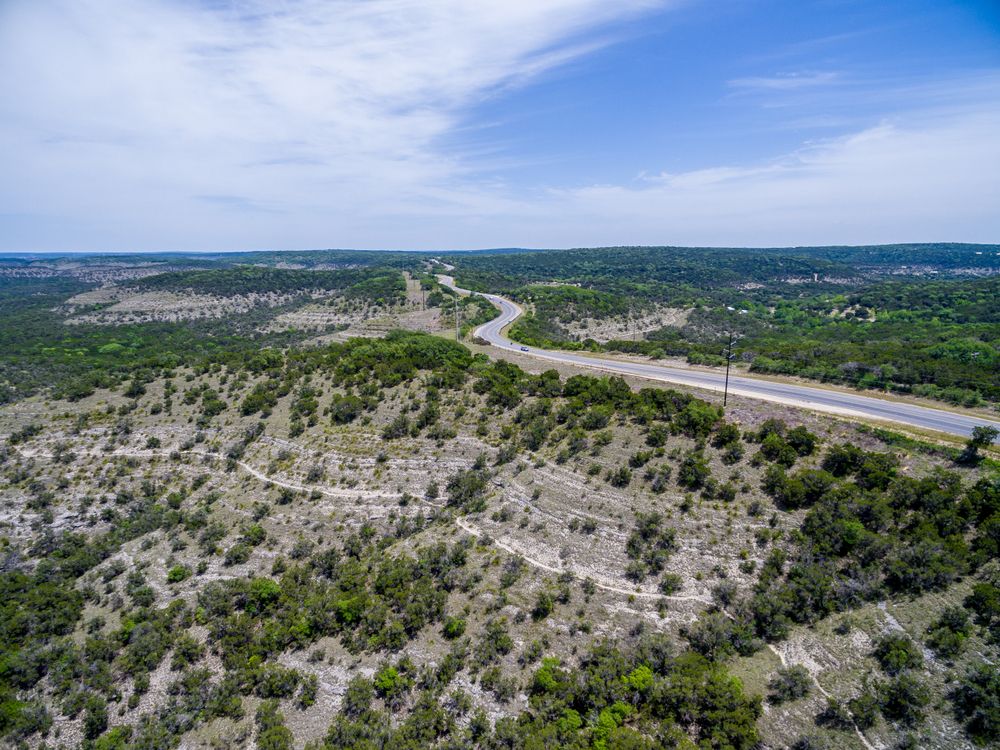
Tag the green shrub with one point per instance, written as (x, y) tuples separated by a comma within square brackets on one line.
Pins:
[(694, 471), (359, 695), (864, 709), (454, 627), (95, 718), (670, 584), (947, 635), (620, 477), (896, 652), (178, 573), (544, 605), (272, 734), (904, 698), (976, 700), (651, 542), (467, 489), (789, 684), (390, 684), (237, 554)]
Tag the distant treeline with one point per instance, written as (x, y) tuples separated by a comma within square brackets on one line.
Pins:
[(238, 280)]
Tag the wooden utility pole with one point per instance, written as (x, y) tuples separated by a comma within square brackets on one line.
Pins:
[(729, 359)]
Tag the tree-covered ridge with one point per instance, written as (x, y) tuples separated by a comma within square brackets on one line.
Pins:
[(381, 287), (238, 280), (972, 301), (573, 302), (929, 253), (644, 270), (319, 259), (945, 256), (658, 270), (37, 349), (553, 306)]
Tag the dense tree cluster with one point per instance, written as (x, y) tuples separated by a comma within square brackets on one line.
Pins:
[(637, 696), (240, 280), (373, 602), (871, 533)]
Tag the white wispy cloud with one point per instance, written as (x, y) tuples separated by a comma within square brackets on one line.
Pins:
[(311, 107), (929, 176), (786, 81)]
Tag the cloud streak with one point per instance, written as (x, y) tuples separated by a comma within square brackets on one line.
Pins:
[(309, 106), (786, 81)]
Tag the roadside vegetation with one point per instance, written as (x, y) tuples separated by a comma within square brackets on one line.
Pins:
[(924, 326)]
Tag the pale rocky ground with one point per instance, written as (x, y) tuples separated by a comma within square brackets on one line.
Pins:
[(619, 327), (128, 306), (320, 311), (364, 320), (351, 318)]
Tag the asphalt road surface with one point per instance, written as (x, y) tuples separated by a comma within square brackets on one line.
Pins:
[(818, 399)]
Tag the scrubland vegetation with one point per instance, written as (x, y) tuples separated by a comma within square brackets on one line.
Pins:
[(395, 542)]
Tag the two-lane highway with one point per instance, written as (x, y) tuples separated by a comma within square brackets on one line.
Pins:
[(831, 401)]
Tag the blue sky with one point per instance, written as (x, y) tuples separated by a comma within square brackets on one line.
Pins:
[(195, 125)]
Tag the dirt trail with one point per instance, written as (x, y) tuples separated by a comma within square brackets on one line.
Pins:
[(822, 691), (600, 583)]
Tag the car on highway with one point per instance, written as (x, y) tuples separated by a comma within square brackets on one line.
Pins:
[(524, 348)]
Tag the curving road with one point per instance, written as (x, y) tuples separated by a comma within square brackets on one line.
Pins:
[(818, 399)]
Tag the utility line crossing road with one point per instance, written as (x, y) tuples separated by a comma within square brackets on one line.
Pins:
[(818, 399)]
